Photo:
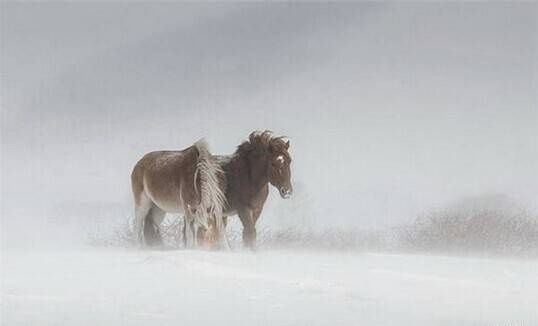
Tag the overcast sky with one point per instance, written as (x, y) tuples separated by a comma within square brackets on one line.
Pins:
[(391, 109)]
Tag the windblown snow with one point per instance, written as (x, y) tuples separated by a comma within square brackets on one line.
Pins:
[(180, 287)]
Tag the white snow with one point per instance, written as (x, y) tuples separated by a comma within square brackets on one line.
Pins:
[(131, 287)]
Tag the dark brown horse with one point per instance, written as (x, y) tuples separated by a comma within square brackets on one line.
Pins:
[(261, 160)]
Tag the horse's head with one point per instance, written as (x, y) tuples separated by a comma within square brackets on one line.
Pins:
[(279, 166), (278, 160)]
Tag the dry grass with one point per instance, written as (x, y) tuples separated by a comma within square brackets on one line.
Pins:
[(480, 228), (488, 227)]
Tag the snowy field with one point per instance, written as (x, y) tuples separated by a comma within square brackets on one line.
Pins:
[(130, 287)]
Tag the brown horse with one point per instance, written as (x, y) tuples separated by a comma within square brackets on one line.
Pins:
[(261, 160), (189, 182)]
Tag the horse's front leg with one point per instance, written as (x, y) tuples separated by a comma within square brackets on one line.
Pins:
[(188, 232), (183, 232), (248, 220), (223, 239)]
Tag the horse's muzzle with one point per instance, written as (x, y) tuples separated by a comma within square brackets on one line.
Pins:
[(285, 192)]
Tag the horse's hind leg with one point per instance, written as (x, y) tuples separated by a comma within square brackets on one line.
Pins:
[(142, 210), (152, 234)]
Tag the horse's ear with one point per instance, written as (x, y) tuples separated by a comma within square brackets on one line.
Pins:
[(252, 136), (288, 144)]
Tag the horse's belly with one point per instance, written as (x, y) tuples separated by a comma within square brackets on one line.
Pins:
[(173, 207), (166, 199)]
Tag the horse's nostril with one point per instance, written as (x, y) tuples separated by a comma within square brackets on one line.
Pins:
[(285, 192)]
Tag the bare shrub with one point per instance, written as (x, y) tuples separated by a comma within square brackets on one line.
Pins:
[(118, 235), (488, 224), (327, 239), (122, 234)]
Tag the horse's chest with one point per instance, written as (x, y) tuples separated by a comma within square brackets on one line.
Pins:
[(256, 199), (244, 194)]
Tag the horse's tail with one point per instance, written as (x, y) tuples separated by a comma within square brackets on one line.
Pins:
[(212, 197)]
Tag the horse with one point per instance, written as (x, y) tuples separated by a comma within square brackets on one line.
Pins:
[(189, 182), (261, 160)]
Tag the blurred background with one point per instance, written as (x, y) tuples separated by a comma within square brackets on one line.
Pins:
[(392, 110)]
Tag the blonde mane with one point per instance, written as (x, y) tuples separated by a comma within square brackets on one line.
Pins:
[(212, 197)]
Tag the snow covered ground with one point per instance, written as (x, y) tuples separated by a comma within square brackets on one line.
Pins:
[(130, 287)]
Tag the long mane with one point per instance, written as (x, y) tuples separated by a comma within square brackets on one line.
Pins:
[(212, 196), (262, 141)]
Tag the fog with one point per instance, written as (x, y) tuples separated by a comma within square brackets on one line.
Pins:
[(391, 109)]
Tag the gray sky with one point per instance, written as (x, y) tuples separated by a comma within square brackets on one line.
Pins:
[(391, 109)]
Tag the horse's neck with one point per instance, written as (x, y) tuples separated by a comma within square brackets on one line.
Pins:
[(244, 171)]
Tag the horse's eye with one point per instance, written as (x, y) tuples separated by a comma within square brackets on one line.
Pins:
[(280, 159)]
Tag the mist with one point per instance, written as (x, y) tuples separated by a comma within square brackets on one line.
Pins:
[(393, 111)]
